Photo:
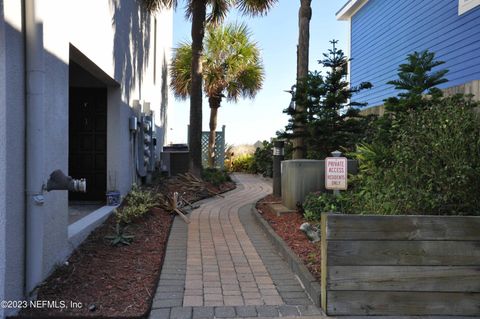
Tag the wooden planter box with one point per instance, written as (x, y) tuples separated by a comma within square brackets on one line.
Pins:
[(400, 265)]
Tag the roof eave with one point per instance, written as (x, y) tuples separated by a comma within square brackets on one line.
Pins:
[(349, 9)]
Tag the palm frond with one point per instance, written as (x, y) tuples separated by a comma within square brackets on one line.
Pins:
[(156, 5), (232, 66), (255, 7), (180, 70), (219, 11)]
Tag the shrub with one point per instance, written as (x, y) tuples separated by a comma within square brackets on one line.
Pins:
[(244, 163), (433, 166), (215, 176), (263, 159), (316, 204), (137, 203), (424, 154)]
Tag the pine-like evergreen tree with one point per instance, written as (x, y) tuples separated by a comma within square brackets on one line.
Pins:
[(331, 118)]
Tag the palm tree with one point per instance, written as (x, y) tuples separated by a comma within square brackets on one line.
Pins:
[(304, 17), (231, 66), (197, 11)]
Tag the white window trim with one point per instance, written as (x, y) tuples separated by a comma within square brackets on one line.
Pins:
[(467, 5)]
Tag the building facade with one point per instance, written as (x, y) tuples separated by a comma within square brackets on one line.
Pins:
[(81, 84), (383, 32)]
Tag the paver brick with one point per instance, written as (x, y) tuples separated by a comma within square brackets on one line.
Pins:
[(253, 302), (160, 314), (193, 301), (246, 311), (309, 310), (273, 300), (169, 295), (297, 301), (267, 311), (286, 310), (225, 312), (167, 303), (203, 312), (233, 300), (213, 297), (181, 313)]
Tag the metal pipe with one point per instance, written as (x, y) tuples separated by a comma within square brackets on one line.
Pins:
[(35, 143)]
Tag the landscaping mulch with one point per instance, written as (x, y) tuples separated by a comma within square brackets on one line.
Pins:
[(114, 282), (287, 227), (110, 281)]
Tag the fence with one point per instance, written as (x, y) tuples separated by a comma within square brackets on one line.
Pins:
[(400, 265), (219, 148)]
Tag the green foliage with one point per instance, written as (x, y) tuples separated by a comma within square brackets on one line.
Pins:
[(423, 157), (316, 204), (331, 121), (120, 237), (433, 168), (232, 66), (263, 159), (244, 164), (137, 203), (414, 79), (215, 176)]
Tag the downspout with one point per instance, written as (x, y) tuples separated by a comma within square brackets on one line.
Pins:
[(35, 161)]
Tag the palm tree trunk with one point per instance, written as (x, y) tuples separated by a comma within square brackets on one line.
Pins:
[(214, 105), (304, 16), (199, 9)]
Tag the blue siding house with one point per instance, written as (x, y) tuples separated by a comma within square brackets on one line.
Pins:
[(383, 32)]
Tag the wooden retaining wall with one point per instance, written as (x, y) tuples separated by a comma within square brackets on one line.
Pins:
[(400, 265)]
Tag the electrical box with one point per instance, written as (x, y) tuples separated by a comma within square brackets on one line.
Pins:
[(132, 124), (145, 146)]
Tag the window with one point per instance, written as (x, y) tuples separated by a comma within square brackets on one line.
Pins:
[(467, 5)]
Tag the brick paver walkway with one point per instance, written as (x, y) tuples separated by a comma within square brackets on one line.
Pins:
[(222, 265)]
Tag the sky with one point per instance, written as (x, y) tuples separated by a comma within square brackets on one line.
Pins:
[(277, 35)]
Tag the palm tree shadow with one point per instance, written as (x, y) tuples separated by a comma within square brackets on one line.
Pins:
[(131, 47)]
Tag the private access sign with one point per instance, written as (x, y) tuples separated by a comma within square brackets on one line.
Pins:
[(336, 173)]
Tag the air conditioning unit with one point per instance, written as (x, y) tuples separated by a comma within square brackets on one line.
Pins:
[(175, 159)]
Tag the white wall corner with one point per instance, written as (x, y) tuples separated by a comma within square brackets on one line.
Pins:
[(349, 9), (467, 5)]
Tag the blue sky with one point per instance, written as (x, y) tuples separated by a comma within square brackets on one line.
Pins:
[(276, 34)]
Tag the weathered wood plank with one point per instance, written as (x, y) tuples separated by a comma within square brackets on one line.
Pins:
[(361, 227), (415, 253), (404, 278), (402, 303)]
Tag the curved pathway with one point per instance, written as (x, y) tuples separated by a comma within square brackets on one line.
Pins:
[(222, 265)]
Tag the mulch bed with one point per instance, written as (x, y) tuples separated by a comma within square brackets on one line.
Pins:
[(287, 227), (114, 282)]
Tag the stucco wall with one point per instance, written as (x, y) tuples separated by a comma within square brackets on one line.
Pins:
[(3, 143), (11, 153), (118, 37)]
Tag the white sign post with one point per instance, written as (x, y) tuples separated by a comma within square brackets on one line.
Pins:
[(336, 173)]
